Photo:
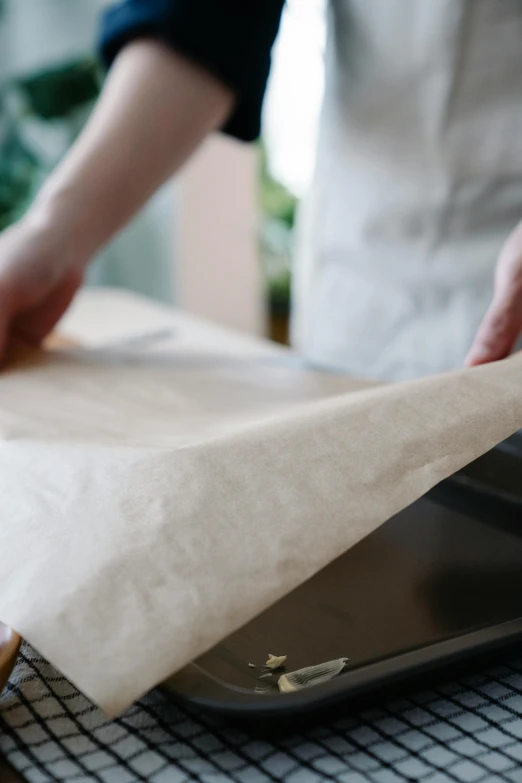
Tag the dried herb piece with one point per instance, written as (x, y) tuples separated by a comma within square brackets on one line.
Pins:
[(311, 675)]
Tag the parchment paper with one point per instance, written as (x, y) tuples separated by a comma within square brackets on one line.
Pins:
[(153, 504)]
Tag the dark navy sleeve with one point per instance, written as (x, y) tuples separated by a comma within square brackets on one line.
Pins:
[(230, 38)]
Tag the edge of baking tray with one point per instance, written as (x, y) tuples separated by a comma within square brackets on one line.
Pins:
[(195, 686)]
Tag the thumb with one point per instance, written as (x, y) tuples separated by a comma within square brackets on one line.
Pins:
[(502, 324)]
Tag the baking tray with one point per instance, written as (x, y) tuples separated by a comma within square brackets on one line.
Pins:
[(440, 581), (490, 488)]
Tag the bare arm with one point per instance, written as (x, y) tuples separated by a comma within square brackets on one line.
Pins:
[(154, 111)]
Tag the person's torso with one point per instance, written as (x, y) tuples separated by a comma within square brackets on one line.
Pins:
[(418, 182)]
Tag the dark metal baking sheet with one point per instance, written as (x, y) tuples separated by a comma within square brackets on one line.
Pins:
[(431, 585), (490, 488)]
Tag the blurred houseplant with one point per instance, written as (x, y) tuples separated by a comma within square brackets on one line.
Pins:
[(40, 116), (278, 211)]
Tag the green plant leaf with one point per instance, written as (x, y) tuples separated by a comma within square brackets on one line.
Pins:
[(276, 200), (18, 169), (278, 208), (57, 92)]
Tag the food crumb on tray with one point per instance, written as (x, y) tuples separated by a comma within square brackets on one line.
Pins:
[(311, 675), (276, 661)]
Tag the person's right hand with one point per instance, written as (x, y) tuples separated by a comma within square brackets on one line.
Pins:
[(501, 327), (40, 271)]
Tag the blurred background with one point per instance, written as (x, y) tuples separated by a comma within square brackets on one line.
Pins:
[(217, 240)]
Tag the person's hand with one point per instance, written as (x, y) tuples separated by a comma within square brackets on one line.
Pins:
[(40, 271), (502, 325), (155, 109)]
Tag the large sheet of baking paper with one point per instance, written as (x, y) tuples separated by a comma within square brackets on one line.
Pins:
[(152, 504)]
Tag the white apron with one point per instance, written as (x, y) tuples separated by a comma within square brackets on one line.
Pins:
[(418, 182)]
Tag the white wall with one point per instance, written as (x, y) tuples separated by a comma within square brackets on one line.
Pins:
[(218, 273), (36, 32)]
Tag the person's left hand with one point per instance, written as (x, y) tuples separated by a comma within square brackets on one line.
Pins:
[(41, 268), (502, 324)]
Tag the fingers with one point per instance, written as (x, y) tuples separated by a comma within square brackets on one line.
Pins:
[(502, 324), (34, 324), (498, 332), (28, 321)]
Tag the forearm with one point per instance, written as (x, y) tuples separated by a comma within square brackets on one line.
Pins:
[(154, 111)]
